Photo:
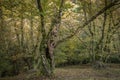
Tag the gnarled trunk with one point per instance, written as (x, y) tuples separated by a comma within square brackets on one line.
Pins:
[(45, 62)]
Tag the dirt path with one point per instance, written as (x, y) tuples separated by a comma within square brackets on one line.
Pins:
[(78, 73), (87, 74)]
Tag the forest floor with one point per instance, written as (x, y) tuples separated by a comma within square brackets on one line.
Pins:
[(79, 72)]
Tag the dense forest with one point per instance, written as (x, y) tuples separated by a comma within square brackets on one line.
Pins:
[(37, 37)]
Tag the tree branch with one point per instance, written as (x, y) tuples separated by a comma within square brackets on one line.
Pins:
[(39, 5), (56, 19), (89, 21)]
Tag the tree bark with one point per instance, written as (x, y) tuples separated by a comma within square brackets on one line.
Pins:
[(48, 42)]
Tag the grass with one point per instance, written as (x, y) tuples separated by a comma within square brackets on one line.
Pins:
[(84, 72)]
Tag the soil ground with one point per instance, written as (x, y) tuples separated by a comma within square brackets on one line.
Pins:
[(79, 72)]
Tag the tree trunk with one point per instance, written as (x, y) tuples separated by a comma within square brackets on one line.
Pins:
[(48, 42), (46, 61)]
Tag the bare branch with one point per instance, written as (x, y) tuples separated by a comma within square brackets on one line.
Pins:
[(89, 21)]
